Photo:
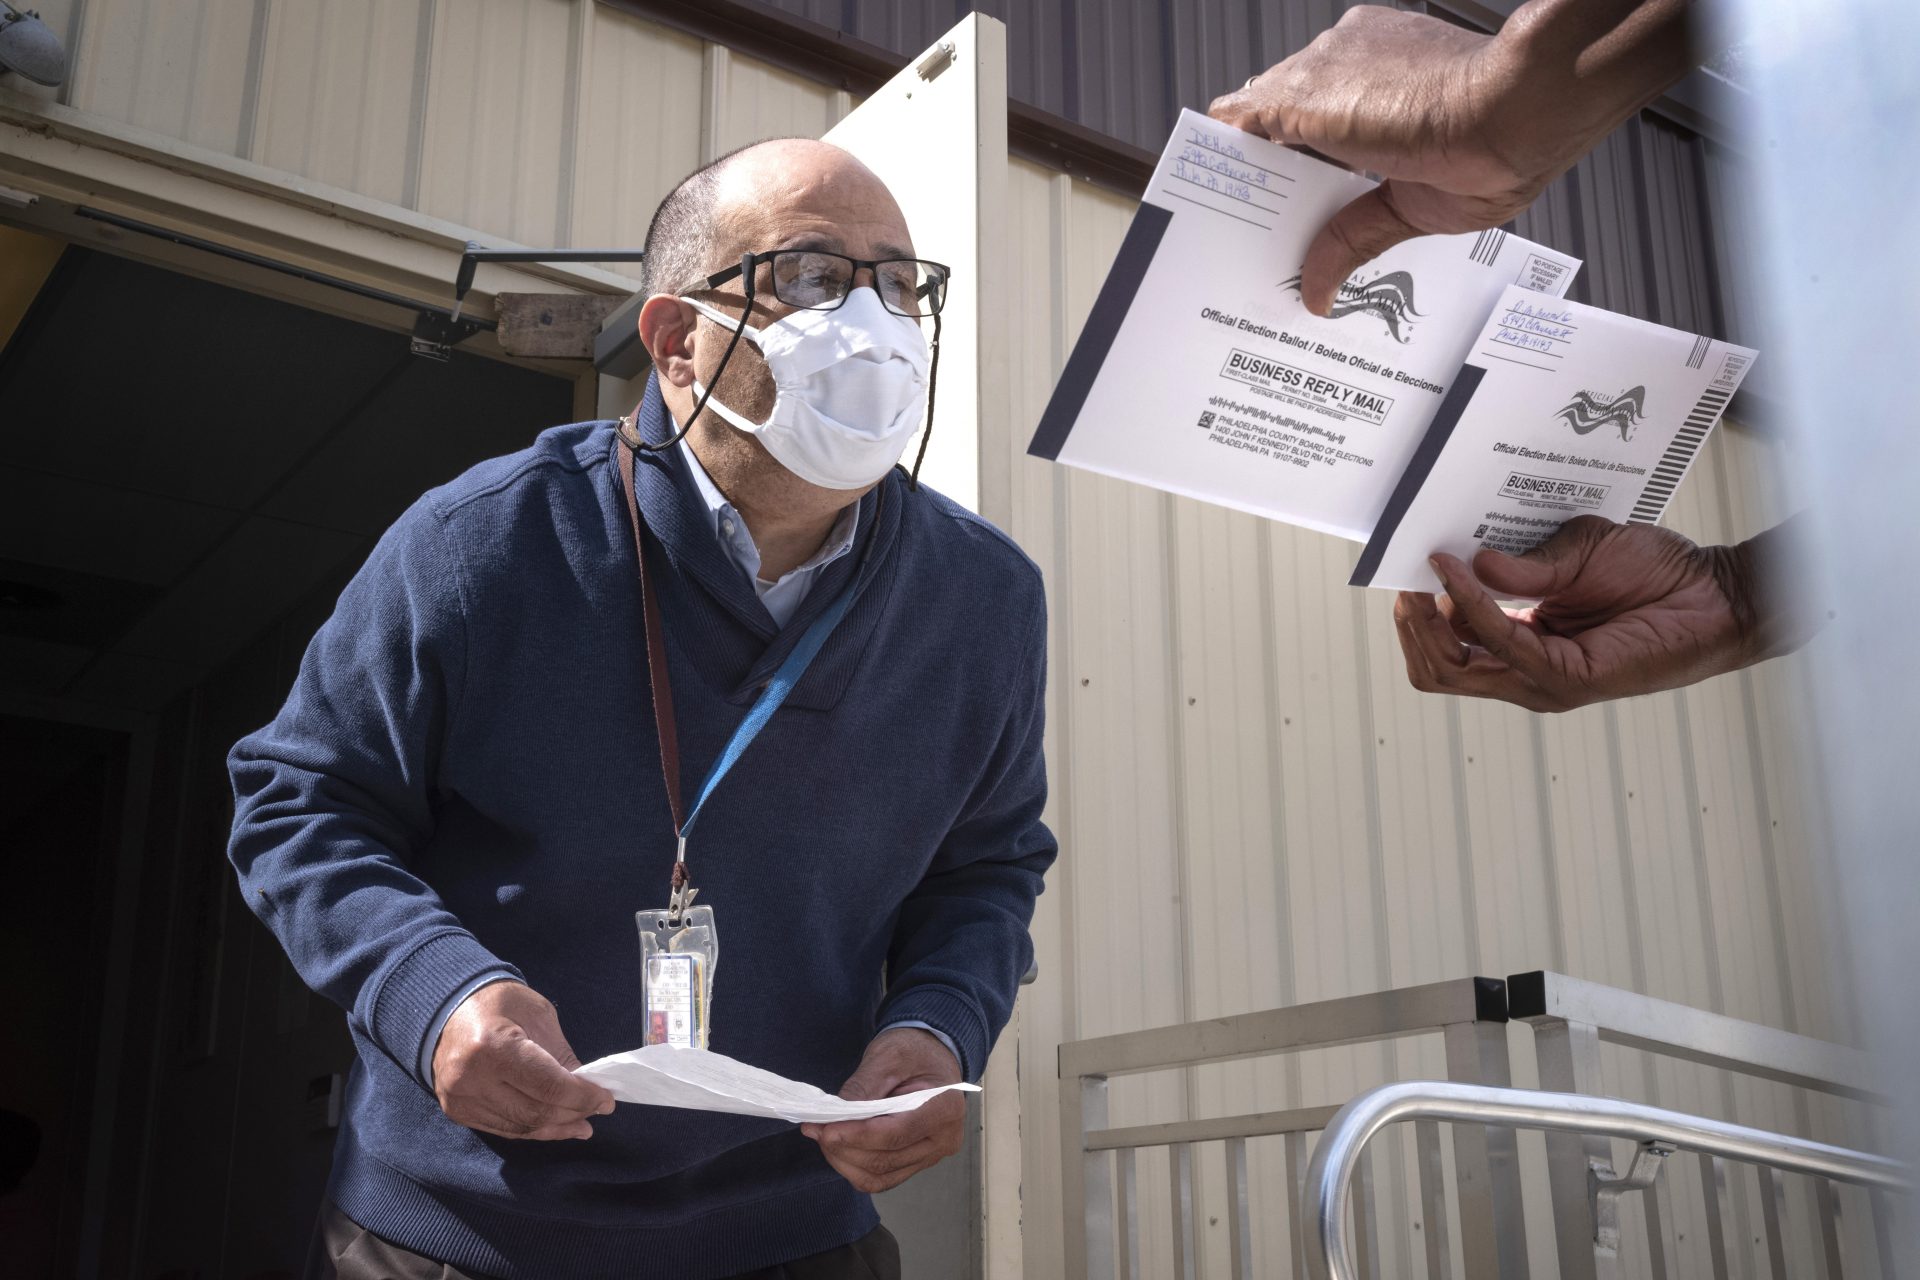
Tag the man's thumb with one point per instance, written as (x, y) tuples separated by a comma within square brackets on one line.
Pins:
[(1544, 571), (1359, 233)]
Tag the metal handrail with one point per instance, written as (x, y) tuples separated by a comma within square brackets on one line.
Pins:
[(1098, 1170), (1324, 1200)]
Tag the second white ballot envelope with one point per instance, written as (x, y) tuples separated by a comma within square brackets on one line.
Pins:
[(1201, 372), (1561, 410)]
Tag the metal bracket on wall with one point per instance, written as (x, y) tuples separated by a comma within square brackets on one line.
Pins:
[(1604, 1189), (938, 59), (435, 336), (436, 330), (437, 333)]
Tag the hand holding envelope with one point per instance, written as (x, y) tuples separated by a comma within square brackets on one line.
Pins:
[(1451, 403), (1626, 609)]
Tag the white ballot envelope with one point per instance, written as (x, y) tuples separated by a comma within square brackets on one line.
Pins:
[(1200, 371), (665, 1075), (1561, 410)]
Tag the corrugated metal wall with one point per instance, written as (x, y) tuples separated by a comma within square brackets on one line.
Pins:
[(547, 122), (1255, 809)]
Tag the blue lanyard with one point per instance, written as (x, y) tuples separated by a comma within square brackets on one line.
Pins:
[(661, 682), (770, 698)]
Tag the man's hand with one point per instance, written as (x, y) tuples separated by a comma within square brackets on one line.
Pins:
[(1466, 129), (503, 1067), (879, 1154), (1624, 609)]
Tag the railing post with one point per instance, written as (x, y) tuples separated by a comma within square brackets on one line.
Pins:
[(1493, 1233), (1568, 1054), (1239, 1215), (1433, 1199), (1826, 1203), (1086, 1190), (1773, 1214), (1713, 1193), (1296, 1197), (1127, 1187), (1186, 1243)]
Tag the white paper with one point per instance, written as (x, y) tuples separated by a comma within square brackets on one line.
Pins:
[(1200, 371), (1564, 410), (665, 1075)]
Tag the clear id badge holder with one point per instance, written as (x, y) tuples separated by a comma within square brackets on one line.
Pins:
[(676, 971)]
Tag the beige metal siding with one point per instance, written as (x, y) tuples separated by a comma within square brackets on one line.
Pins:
[(1256, 809), (640, 125), (543, 122), (336, 94), (182, 68), (499, 110)]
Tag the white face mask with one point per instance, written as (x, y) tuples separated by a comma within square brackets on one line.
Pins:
[(849, 384)]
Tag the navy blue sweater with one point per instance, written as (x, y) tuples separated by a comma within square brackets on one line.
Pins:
[(465, 777)]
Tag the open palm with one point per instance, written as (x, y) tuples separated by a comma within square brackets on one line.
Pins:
[(1624, 609)]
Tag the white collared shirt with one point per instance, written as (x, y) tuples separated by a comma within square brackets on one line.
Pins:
[(784, 597)]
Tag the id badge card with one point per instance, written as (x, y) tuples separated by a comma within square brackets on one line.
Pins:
[(676, 971)]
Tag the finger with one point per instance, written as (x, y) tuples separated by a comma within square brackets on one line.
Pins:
[(1433, 632), (1504, 685), (1545, 570), (1366, 228), (575, 1131), (884, 1172), (510, 1116), (1464, 632), (1499, 633), (1241, 108), (1452, 667), (1419, 666), (881, 1133), (536, 1073), (873, 1080)]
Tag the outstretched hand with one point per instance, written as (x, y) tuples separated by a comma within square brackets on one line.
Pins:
[(1624, 609), (1466, 129)]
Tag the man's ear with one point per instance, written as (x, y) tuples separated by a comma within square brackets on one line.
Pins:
[(668, 332)]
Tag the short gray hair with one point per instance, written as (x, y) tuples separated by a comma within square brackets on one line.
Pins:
[(680, 239)]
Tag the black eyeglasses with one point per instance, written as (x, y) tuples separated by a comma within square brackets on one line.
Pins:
[(813, 280)]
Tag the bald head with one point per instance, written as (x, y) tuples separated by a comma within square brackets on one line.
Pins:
[(778, 194)]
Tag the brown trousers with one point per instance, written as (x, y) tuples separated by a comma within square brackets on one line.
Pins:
[(344, 1250)]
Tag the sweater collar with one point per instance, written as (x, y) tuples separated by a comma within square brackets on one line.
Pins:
[(679, 519)]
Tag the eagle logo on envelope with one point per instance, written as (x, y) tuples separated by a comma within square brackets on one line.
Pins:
[(1589, 411), (1388, 297)]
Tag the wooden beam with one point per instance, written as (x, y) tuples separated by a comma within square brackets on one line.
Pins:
[(552, 326)]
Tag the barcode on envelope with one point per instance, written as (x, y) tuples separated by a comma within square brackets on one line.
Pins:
[(1679, 456), (1486, 247)]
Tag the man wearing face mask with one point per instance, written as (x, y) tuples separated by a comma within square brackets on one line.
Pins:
[(723, 648)]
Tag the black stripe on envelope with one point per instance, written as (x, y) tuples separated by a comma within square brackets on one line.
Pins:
[(1103, 325), (1444, 421)]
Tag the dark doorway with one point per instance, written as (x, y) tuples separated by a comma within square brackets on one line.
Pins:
[(59, 811), (188, 475)]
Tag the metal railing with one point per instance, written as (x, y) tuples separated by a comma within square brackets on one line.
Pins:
[(1100, 1190), (1571, 1019), (1341, 1151)]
